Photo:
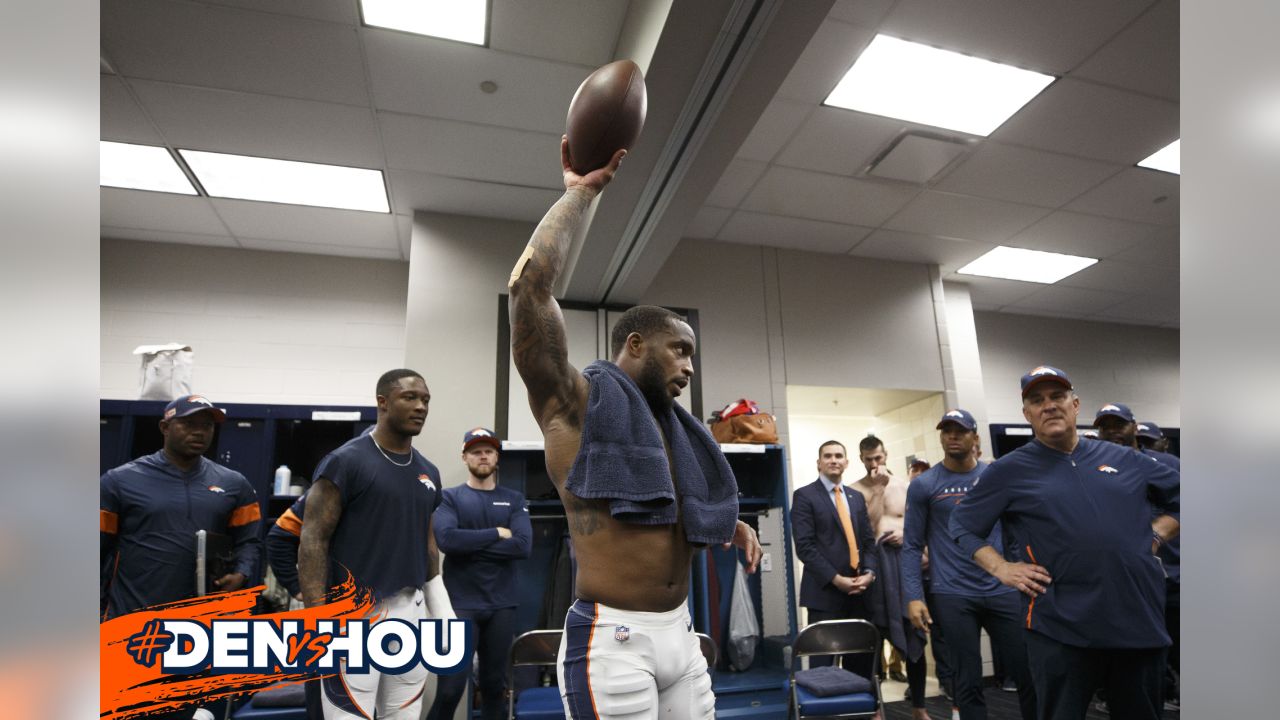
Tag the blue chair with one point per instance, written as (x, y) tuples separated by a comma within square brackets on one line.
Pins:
[(536, 647), (278, 702), (835, 637)]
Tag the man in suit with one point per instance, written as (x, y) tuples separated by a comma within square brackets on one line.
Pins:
[(836, 543)]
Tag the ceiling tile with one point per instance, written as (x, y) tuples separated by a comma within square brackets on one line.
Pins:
[(828, 56), (120, 118), (307, 225), (1148, 310), (1132, 195), (321, 249), (164, 212), (1074, 301), (1143, 57), (707, 223), (773, 128), (1160, 248), (420, 191), (962, 216), (1041, 36), (838, 141), (814, 196), (949, 253), (538, 29), (791, 233), (867, 13), (338, 11), (1085, 235), (1086, 120), (233, 49), (1025, 176), (439, 78), (1125, 277), (737, 181), (991, 293), (477, 152), (285, 128), (119, 233)]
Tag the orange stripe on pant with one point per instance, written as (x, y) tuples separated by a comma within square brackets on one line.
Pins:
[(1031, 606)]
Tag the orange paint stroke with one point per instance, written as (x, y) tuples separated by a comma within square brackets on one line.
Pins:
[(130, 690)]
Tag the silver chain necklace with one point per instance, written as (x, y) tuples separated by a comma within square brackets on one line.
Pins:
[(406, 463)]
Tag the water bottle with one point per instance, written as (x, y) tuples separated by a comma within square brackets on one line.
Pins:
[(283, 475)]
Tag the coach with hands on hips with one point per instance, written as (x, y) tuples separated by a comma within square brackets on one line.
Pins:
[(1081, 510)]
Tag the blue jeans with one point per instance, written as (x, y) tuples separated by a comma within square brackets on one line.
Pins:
[(963, 618)]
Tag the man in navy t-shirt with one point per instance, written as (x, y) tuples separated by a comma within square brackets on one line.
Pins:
[(964, 598), (1081, 511), (483, 530), (368, 513)]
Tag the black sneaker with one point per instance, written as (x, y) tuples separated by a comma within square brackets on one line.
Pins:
[(897, 675), (1009, 685)]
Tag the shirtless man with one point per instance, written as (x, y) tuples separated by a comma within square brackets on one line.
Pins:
[(886, 496), (629, 647)]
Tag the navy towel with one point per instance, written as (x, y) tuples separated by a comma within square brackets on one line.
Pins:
[(831, 680), (888, 604), (623, 460)]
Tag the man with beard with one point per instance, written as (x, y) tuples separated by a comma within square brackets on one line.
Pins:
[(1094, 591), (1151, 437), (643, 483), (1116, 424), (965, 599), (483, 530), (368, 513)]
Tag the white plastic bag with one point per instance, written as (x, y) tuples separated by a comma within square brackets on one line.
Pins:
[(744, 629), (166, 371)]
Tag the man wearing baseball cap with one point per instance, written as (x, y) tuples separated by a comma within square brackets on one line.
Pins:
[(483, 529), (1081, 510), (1150, 436), (151, 508), (1115, 423), (961, 599)]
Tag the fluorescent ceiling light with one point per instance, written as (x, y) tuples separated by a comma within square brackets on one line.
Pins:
[(1028, 265), (922, 84), (140, 167), (462, 20), (1168, 159), (286, 181)]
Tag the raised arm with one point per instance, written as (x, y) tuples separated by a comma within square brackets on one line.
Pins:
[(538, 341)]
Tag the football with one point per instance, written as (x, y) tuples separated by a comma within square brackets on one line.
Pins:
[(606, 115)]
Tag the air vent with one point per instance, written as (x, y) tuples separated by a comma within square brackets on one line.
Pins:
[(917, 157)]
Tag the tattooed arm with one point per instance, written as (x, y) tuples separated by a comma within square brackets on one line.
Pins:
[(323, 509), (539, 345)]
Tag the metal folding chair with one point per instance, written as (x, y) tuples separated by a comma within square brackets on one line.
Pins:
[(709, 650), (835, 637), (536, 647)]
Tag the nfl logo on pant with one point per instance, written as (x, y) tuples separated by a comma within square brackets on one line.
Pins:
[(622, 633)]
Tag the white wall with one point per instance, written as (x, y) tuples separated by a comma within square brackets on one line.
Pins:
[(1107, 362), (266, 327)]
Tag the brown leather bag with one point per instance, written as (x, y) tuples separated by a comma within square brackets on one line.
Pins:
[(758, 428)]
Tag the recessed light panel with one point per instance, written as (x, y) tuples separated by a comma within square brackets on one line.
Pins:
[(285, 181), (140, 167), (1168, 159), (925, 85), (1027, 265), (461, 20)]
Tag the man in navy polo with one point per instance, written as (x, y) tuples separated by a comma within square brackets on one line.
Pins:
[(964, 598), (152, 507), (1151, 437), (484, 530), (1116, 424), (1081, 511)]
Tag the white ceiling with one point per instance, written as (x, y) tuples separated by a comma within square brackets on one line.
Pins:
[(303, 80)]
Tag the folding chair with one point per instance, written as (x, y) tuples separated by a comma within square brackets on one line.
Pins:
[(709, 650), (536, 647), (835, 637)]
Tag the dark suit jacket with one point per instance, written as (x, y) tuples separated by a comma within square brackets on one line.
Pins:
[(821, 545)]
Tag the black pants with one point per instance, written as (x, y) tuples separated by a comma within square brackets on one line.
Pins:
[(1067, 676), (1172, 615), (938, 646), (864, 664), (491, 634), (963, 618)]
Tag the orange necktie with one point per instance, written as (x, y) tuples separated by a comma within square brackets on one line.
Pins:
[(846, 522)]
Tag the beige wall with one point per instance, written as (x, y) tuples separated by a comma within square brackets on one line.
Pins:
[(266, 327)]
